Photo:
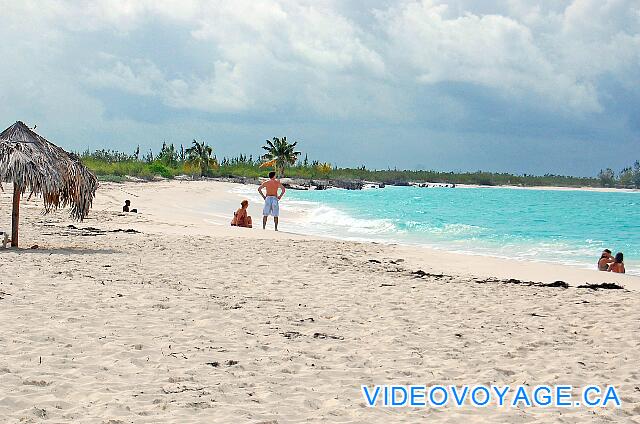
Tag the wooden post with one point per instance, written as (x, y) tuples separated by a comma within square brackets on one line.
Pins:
[(15, 215)]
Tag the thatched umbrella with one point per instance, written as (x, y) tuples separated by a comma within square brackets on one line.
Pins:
[(32, 163)]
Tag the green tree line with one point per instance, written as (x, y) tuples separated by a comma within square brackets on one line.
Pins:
[(280, 155), (629, 177)]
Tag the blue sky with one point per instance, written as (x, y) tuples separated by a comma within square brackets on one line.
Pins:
[(515, 85)]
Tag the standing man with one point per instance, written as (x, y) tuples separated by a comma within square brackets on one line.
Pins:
[(271, 199)]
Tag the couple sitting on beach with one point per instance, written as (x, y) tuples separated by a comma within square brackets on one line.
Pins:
[(271, 206), (611, 264)]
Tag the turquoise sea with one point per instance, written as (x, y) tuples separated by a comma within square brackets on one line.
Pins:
[(563, 226)]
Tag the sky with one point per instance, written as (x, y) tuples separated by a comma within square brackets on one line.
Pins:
[(518, 86)]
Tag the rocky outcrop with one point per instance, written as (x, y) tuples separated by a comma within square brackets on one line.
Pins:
[(347, 184), (237, 180), (301, 183)]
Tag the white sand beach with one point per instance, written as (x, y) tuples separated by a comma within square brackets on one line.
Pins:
[(173, 316)]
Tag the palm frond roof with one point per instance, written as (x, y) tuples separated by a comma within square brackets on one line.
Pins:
[(34, 164)]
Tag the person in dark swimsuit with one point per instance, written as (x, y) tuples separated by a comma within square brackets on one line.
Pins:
[(127, 206)]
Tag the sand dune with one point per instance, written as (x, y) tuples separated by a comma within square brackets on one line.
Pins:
[(186, 320)]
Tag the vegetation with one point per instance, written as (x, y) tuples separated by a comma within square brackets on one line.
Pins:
[(607, 178), (325, 169), (199, 157), (282, 153), (629, 177), (199, 160)]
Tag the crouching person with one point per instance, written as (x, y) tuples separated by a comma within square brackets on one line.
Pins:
[(241, 217)]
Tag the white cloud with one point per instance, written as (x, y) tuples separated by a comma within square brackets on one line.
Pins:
[(601, 37), (434, 45), (324, 59), (146, 79), (280, 51), (263, 54), (224, 92)]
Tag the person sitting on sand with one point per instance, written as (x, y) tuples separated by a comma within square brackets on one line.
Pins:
[(605, 260), (271, 199), (618, 264), (126, 207), (240, 217)]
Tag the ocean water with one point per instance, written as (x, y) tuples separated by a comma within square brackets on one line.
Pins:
[(562, 226)]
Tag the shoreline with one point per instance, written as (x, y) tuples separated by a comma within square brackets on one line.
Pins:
[(190, 204), (349, 184), (206, 207), (485, 265)]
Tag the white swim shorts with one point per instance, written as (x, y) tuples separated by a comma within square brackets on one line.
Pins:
[(271, 206)]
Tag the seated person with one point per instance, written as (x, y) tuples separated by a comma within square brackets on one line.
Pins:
[(618, 264), (126, 207), (240, 217), (605, 260)]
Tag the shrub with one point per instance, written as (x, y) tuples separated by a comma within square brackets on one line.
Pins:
[(158, 168)]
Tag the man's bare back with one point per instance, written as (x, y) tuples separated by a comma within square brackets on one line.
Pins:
[(272, 187)]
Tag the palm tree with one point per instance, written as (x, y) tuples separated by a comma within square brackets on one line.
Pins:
[(199, 157), (282, 152)]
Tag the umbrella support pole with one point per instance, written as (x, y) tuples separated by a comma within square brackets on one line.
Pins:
[(15, 216)]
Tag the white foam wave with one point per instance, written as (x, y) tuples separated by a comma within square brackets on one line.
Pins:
[(444, 230), (300, 206), (243, 189), (325, 215)]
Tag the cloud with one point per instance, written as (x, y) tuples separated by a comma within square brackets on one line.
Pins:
[(261, 56), (261, 53), (225, 91), (436, 45), (497, 68), (146, 79)]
